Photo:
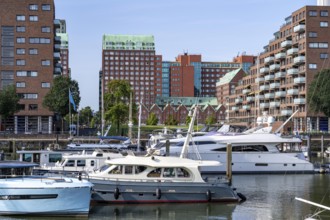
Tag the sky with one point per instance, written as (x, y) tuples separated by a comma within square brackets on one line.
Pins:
[(218, 30)]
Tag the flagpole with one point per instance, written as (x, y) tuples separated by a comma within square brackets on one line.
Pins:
[(70, 116)]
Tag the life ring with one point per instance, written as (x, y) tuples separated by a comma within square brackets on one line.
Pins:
[(208, 195), (241, 196), (116, 193), (158, 193)]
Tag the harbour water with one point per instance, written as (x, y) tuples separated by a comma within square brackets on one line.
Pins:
[(268, 197)]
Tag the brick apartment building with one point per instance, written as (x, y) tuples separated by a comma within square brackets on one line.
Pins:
[(279, 80), (29, 55)]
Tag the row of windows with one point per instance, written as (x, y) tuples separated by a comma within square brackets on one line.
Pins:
[(44, 29), (27, 95), (21, 51), (32, 18), (33, 40), (323, 13), (137, 53), (35, 7), (318, 45), (22, 62), (23, 85), (128, 58)]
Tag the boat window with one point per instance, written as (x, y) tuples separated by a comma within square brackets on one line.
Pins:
[(182, 173), (128, 169), (155, 173), (70, 163), (27, 157), (53, 158), (104, 167), (180, 144), (261, 164), (140, 169), (169, 172), (92, 163), (81, 163), (244, 148), (116, 170), (36, 158)]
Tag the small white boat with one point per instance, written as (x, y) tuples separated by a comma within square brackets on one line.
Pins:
[(23, 194), (84, 162)]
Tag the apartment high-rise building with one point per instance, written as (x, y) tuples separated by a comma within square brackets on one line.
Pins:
[(28, 57), (133, 58), (63, 65), (278, 83)]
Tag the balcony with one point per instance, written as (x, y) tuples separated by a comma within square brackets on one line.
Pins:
[(250, 99), (264, 87), (299, 101), (292, 71), (57, 47), (260, 79), (299, 60), (279, 75), (274, 104), (299, 28), (246, 107), (264, 105), (269, 59), (260, 97), (57, 71), (57, 56), (274, 85), (269, 77), (299, 80), (238, 100), (292, 91), (280, 94), (264, 70), (234, 108), (274, 67), (287, 43), (292, 51), (57, 23), (246, 91), (57, 39), (286, 112), (269, 95), (280, 56)]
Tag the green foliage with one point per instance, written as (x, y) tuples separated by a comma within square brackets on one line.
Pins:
[(188, 120), (171, 121), (116, 102), (318, 95), (57, 99), (85, 116), (8, 101), (210, 120), (152, 119)]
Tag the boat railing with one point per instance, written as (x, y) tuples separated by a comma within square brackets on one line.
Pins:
[(49, 179), (216, 179), (160, 180)]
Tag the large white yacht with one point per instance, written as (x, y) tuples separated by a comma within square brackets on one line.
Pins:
[(23, 194), (258, 152)]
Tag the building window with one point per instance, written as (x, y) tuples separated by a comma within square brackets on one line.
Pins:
[(33, 7), (324, 13), (20, 62), (33, 51), (45, 85), (45, 63), (323, 45), (45, 29), (27, 73), (20, 84), (312, 13), (45, 7), (33, 107), (324, 55), (20, 40), (324, 24), (20, 29), (312, 34), (312, 66), (20, 51), (20, 17), (33, 18), (28, 95)]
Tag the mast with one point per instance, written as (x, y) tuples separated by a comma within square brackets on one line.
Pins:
[(130, 123), (139, 127), (102, 107), (189, 134)]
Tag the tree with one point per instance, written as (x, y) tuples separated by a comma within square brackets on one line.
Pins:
[(85, 116), (171, 121), (116, 101), (152, 119), (57, 99), (210, 120), (8, 102), (318, 95)]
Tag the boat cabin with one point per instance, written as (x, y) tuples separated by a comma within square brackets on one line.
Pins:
[(40, 157)]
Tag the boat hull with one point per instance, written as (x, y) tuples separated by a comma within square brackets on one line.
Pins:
[(161, 192), (43, 197)]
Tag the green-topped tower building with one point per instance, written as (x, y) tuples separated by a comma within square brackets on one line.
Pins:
[(132, 58)]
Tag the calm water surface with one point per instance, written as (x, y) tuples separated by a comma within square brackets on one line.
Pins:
[(268, 197)]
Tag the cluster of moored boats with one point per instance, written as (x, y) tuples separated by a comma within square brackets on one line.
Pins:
[(172, 170)]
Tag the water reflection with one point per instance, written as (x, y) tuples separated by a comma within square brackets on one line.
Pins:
[(163, 211)]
